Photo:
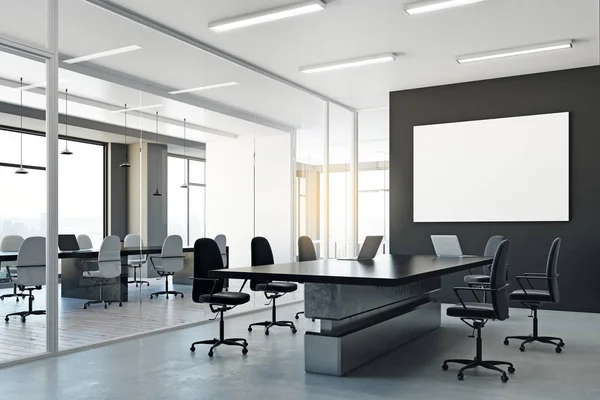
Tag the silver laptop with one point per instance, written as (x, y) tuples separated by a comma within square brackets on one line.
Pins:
[(447, 246), (369, 249)]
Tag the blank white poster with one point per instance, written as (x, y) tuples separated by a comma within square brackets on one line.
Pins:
[(507, 169)]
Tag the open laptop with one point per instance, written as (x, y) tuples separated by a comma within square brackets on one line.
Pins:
[(369, 249), (68, 243), (447, 246)]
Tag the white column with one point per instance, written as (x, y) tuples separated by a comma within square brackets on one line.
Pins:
[(325, 210), (294, 189), (353, 201), (52, 178)]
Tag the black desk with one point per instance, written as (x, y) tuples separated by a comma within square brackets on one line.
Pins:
[(74, 285), (365, 308)]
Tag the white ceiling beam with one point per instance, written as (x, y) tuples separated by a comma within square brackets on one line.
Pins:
[(165, 30)]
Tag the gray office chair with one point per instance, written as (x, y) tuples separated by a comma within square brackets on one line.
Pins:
[(85, 243), (109, 267), (480, 313), (533, 298), (306, 252), (489, 251), (11, 243), (31, 272), (168, 263), (135, 261)]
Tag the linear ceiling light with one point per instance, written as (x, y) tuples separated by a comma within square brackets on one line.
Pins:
[(37, 85), (421, 7), (138, 108), (269, 15), (198, 89), (102, 54), (357, 62), (518, 51)]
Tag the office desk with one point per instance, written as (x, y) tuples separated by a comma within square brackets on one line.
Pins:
[(365, 308), (74, 285)]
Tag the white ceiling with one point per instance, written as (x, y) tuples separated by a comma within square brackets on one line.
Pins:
[(428, 45)]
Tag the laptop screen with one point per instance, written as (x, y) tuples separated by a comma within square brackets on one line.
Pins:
[(67, 243)]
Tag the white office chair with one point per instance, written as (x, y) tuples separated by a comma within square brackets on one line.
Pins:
[(109, 267), (85, 243), (11, 243), (168, 263), (31, 272), (221, 241), (136, 261)]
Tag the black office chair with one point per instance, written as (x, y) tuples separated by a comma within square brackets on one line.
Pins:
[(306, 252), (489, 251), (262, 255), (480, 313), (207, 257), (533, 298)]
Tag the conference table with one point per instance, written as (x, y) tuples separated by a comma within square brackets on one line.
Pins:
[(365, 308), (74, 285)]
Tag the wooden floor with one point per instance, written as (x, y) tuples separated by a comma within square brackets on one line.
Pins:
[(79, 327)]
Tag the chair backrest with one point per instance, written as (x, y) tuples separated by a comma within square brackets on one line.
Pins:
[(306, 249), (134, 240), (222, 243), (31, 262), (498, 280), (552, 270), (109, 257), (11, 243), (490, 250), (207, 256), (261, 254), (85, 243), (172, 254)]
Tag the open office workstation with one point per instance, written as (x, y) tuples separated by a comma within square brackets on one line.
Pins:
[(205, 200)]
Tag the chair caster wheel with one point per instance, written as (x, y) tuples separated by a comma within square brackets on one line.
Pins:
[(297, 317), (244, 351), (445, 367), (562, 344), (511, 370), (313, 320), (105, 306), (506, 342), (85, 307), (249, 329), (17, 299), (294, 330), (182, 295), (151, 297), (6, 319), (192, 349), (210, 354), (504, 378), (267, 333), (559, 349), (522, 348), (147, 283), (23, 319), (460, 377), (120, 304)]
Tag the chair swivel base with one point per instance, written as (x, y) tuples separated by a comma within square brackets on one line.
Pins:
[(25, 314), (167, 293), (141, 282), (297, 316), (474, 363), (17, 295), (105, 302), (218, 342), (541, 339), (269, 324)]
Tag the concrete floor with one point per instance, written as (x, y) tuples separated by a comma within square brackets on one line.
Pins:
[(161, 366)]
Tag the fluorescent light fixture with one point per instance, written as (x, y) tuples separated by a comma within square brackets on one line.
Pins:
[(198, 89), (518, 51), (138, 108), (273, 14), (102, 54), (357, 62), (37, 85), (421, 7)]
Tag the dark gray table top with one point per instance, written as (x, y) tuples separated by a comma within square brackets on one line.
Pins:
[(127, 251), (384, 270)]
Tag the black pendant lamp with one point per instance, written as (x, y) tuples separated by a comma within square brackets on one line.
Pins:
[(21, 170), (186, 161), (66, 151), (157, 192), (125, 164)]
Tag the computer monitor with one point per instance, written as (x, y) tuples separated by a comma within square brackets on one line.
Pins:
[(67, 243)]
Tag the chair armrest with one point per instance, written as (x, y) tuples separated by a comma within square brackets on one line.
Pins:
[(535, 273), (458, 289), (528, 278), (214, 281)]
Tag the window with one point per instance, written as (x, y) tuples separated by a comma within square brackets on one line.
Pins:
[(81, 187), (186, 203)]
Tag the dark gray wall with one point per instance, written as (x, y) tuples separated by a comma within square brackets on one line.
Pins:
[(118, 191), (576, 91)]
